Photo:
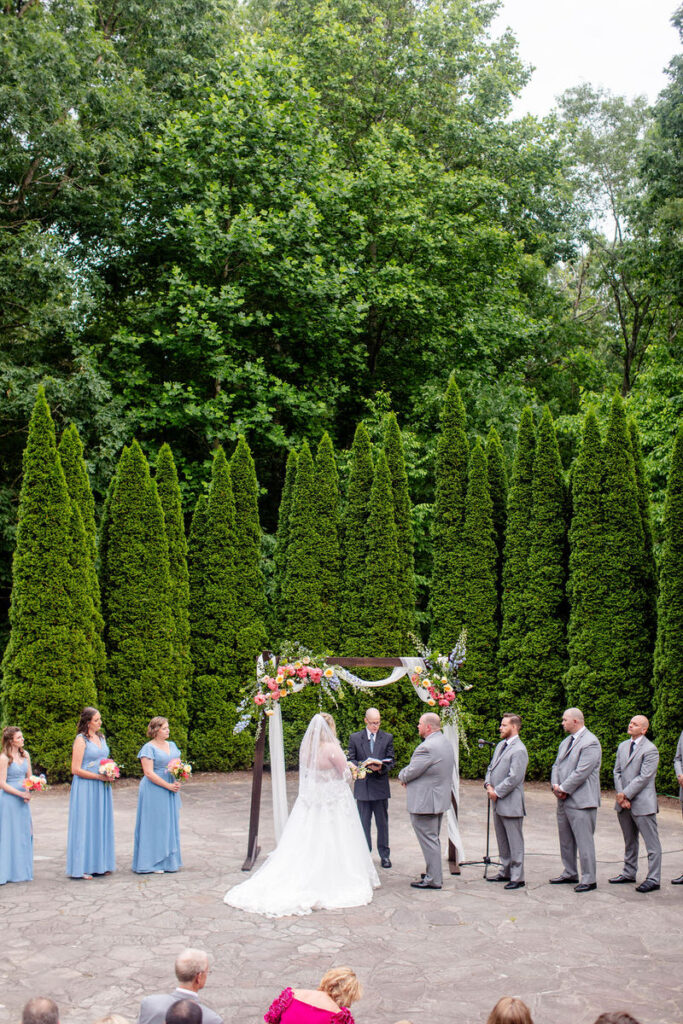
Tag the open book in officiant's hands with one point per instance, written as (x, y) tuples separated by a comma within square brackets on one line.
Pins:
[(374, 762)]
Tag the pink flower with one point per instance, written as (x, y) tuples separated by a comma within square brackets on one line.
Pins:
[(315, 674), (443, 702), (415, 678), (289, 670), (302, 672), (275, 694), (259, 699), (272, 685)]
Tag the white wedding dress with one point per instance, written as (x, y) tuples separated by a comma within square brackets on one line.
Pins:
[(322, 860)]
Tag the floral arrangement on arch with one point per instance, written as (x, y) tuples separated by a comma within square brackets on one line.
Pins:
[(440, 678), (280, 676)]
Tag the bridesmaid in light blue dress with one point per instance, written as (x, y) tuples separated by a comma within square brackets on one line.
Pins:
[(90, 843), (157, 826), (16, 830)]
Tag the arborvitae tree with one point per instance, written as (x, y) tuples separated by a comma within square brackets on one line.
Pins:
[(140, 681), (538, 694), (477, 578), (199, 653), (354, 546), (650, 568), (216, 688), (251, 636), (278, 611), (103, 545), (498, 490), (381, 591), (78, 484), (48, 663), (393, 448), (516, 557), (668, 671), (447, 603), (171, 503), (326, 509), (302, 586)]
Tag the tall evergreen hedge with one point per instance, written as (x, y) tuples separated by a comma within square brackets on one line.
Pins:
[(354, 545), (251, 636), (139, 634), (668, 663), (327, 512), (516, 560), (650, 568), (48, 665), (393, 449), (302, 585), (477, 579), (447, 602), (166, 478), (498, 490), (539, 693), (200, 648), (279, 606), (217, 686)]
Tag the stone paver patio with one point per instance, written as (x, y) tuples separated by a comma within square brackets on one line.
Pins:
[(432, 957)]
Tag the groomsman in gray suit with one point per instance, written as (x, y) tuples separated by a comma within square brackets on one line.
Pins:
[(428, 790), (504, 784), (678, 768), (575, 781), (635, 769)]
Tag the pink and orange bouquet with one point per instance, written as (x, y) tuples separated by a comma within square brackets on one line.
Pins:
[(109, 768), (180, 770), (35, 783), (439, 676)]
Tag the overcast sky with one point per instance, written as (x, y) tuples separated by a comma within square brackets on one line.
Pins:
[(622, 45)]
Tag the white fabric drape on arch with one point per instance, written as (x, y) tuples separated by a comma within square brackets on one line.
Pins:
[(277, 751)]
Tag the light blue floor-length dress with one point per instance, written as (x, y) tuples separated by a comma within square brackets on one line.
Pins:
[(157, 825), (16, 829), (90, 842)]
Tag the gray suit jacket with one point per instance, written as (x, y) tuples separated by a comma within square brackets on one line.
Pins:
[(153, 1008), (634, 776), (506, 774), (678, 764), (428, 776), (577, 770)]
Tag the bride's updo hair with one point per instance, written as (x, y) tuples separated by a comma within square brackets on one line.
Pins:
[(330, 721), (340, 983)]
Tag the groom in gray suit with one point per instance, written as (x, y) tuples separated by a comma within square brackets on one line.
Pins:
[(504, 784), (428, 790), (635, 769), (575, 781)]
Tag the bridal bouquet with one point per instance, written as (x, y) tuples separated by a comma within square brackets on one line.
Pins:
[(180, 770), (440, 678), (35, 783), (358, 771), (109, 768)]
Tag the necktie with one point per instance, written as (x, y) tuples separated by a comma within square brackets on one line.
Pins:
[(632, 747), (372, 743), (571, 741)]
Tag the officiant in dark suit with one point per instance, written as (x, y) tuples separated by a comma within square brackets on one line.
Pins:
[(372, 793)]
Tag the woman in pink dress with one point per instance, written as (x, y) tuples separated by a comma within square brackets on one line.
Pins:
[(328, 1004)]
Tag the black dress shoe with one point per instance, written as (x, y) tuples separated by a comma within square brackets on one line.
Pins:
[(385, 862), (498, 878), (424, 885), (564, 880), (647, 886), (621, 880), (585, 887), (514, 885), (677, 881)]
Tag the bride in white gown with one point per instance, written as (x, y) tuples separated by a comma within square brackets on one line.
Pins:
[(322, 860)]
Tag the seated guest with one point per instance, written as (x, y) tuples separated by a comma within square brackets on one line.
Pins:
[(191, 970), (328, 1004), (40, 1011), (620, 1017), (510, 1010), (185, 1011)]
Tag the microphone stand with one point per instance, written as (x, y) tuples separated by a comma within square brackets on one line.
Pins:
[(486, 860)]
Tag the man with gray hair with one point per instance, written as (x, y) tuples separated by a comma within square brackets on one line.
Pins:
[(575, 781), (191, 970), (40, 1010)]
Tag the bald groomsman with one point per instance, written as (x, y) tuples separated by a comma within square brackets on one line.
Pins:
[(504, 784), (678, 768), (635, 769), (575, 781)]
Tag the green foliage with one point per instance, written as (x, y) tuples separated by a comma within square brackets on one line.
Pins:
[(250, 629), (136, 599), (166, 478), (393, 449), (538, 694), (325, 501), (477, 579), (302, 587), (354, 547), (200, 650), (447, 603), (668, 661), (48, 666), (649, 567), (498, 490), (278, 613), (516, 558)]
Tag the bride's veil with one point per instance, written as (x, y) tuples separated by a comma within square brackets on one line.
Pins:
[(320, 754)]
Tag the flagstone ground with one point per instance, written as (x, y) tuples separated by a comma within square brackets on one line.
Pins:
[(431, 957)]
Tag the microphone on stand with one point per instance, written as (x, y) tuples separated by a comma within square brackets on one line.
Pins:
[(485, 743)]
